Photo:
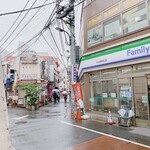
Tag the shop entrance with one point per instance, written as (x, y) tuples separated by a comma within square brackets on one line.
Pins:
[(141, 101)]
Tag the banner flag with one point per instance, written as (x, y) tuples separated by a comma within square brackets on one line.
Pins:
[(77, 89)]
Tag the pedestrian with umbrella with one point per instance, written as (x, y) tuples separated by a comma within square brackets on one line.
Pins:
[(56, 94), (65, 95)]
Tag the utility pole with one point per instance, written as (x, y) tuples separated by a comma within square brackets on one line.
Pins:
[(68, 12), (72, 33), (5, 141), (72, 47)]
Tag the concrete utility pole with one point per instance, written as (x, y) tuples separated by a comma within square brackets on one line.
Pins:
[(68, 12), (72, 46), (72, 33), (5, 141)]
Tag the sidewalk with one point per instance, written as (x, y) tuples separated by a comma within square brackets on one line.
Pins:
[(5, 141), (103, 119)]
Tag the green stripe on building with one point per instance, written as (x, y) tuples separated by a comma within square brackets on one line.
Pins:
[(117, 49)]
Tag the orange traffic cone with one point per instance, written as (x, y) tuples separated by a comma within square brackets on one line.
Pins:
[(79, 114)]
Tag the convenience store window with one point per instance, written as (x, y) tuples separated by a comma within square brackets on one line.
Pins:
[(112, 28), (145, 67), (125, 93), (149, 9), (109, 73), (110, 98), (124, 70), (94, 75), (97, 95), (135, 19)]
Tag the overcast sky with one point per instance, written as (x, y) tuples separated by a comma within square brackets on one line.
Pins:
[(24, 32)]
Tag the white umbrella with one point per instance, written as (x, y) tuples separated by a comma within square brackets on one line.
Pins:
[(64, 92), (56, 90)]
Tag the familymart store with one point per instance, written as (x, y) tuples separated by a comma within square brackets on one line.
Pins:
[(120, 78)]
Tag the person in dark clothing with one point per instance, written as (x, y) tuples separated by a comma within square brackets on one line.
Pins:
[(55, 96)]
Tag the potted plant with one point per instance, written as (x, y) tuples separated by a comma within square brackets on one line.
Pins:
[(9, 102), (31, 95)]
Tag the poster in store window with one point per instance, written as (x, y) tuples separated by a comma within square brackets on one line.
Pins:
[(126, 94), (113, 95), (105, 95), (144, 99), (95, 35)]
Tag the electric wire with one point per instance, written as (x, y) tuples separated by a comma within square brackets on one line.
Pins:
[(43, 46), (49, 44), (45, 26), (24, 26), (62, 45), (65, 34), (14, 22), (10, 13), (61, 39), (39, 33), (27, 48), (17, 26), (48, 23), (16, 50), (37, 24), (56, 45), (52, 49)]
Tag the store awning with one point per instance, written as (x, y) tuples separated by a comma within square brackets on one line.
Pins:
[(26, 81), (31, 81)]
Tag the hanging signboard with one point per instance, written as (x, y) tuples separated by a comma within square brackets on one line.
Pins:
[(77, 90)]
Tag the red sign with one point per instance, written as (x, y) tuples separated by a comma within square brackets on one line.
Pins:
[(77, 89)]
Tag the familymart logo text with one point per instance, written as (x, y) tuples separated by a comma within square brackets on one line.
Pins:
[(139, 50)]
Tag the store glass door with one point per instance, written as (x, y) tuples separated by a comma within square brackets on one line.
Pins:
[(141, 101), (148, 88)]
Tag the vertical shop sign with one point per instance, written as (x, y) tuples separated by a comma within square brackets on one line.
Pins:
[(74, 73), (77, 90)]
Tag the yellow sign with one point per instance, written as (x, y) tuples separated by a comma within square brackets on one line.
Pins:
[(94, 21)]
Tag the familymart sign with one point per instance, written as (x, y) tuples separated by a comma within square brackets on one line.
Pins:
[(128, 52)]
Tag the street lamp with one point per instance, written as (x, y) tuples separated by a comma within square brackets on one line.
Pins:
[(61, 30)]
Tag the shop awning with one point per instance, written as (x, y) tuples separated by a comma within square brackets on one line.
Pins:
[(26, 81), (30, 81)]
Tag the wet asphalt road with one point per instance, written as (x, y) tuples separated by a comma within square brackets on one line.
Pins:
[(43, 130), (51, 128)]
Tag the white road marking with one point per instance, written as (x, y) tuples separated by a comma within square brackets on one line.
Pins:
[(105, 134), (21, 117)]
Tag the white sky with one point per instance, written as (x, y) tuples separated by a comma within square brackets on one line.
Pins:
[(33, 27)]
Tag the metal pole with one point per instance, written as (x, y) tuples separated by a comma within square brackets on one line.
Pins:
[(72, 47), (72, 33), (5, 141)]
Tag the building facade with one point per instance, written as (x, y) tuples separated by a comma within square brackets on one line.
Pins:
[(115, 66)]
